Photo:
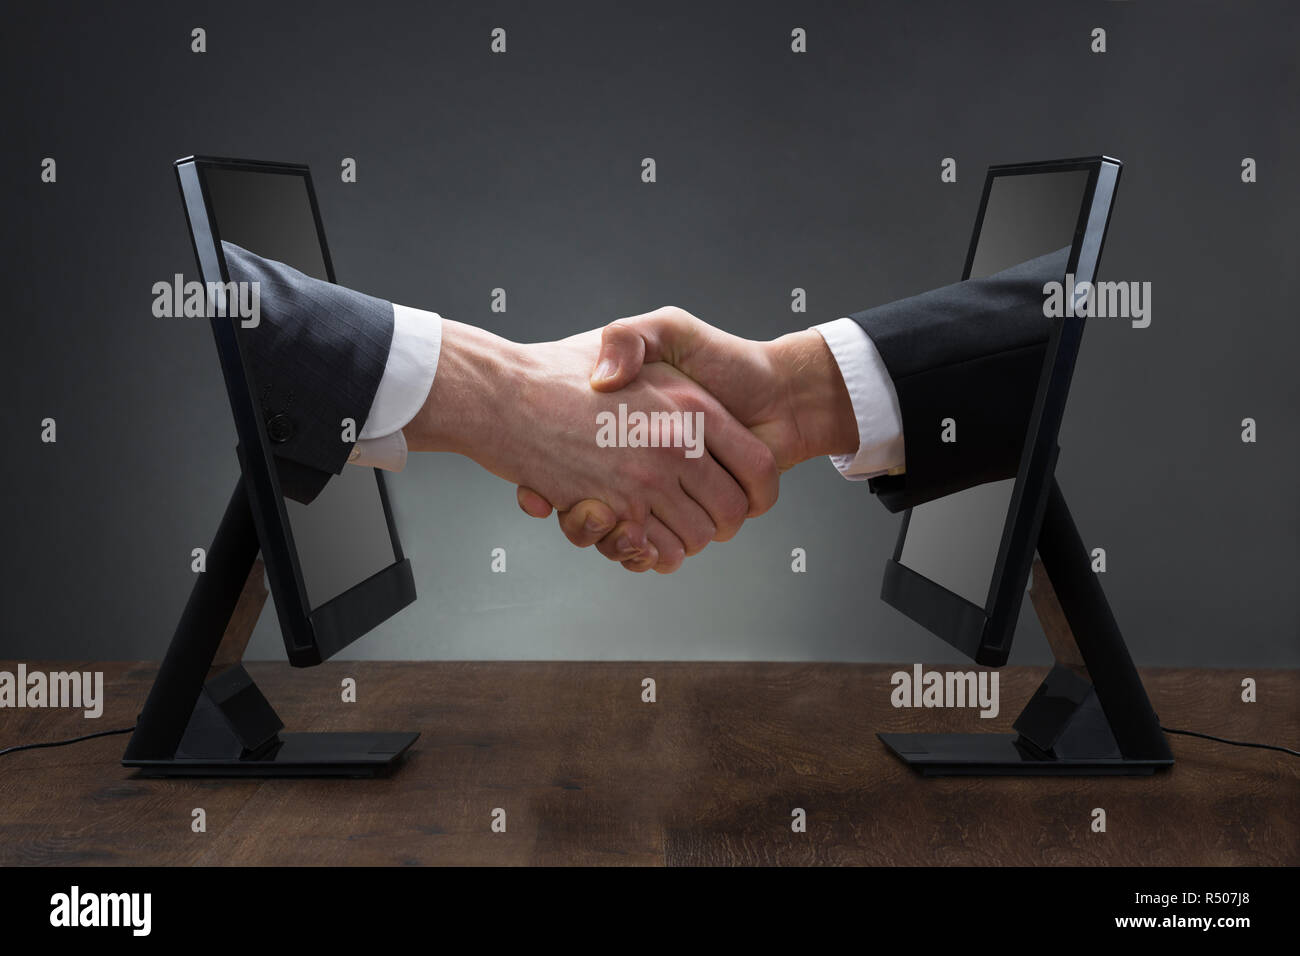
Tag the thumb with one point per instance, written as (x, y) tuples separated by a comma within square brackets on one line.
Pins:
[(667, 334), (622, 353)]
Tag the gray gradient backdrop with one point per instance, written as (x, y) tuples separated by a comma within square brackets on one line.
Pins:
[(775, 170)]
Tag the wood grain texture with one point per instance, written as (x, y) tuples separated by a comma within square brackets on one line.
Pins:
[(239, 630), (588, 774), (1051, 616)]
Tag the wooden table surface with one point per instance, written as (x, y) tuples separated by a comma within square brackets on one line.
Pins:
[(709, 774)]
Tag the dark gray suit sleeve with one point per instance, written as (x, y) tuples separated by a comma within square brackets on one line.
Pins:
[(316, 357), (973, 352)]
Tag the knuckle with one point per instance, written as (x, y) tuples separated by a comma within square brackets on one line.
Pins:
[(763, 461), (638, 475), (609, 548), (698, 538), (637, 565), (668, 457), (735, 511), (690, 399), (619, 328), (765, 477)]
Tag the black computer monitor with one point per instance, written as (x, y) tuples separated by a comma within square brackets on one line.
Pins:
[(962, 561), (335, 565)]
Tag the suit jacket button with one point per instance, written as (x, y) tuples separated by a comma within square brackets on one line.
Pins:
[(279, 429)]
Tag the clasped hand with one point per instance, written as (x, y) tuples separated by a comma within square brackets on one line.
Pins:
[(531, 414)]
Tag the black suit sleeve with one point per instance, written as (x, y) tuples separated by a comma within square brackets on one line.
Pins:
[(316, 357), (972, 352)]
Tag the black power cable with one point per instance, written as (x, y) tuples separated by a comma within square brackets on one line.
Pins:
[(71, 740), (1235, 743)]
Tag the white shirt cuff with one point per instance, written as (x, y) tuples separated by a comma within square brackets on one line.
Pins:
[(875, 402), (408, 376), (388, 452)]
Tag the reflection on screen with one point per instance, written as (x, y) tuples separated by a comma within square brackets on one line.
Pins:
[(342, 536), (954, 540)]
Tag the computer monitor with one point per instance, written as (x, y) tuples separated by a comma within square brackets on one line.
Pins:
[(962, 561), (335, 566)]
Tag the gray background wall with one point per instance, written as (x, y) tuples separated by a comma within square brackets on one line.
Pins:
[(775, 170)]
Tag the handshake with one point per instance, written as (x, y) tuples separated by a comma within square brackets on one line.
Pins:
[(659, 433), (649, 438)]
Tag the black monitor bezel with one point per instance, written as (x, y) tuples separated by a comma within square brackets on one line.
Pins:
[(985, 633), (310, 635)]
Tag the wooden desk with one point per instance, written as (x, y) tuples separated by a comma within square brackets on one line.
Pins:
[(709, 774)]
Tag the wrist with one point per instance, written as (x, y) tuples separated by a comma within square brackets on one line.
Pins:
[(817, 400), (467, 397)]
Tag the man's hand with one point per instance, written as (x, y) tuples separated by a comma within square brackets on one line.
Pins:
[(528, 414), (789, 392)]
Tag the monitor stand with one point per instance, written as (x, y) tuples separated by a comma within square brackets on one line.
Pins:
[(1091, 715), (205, 717)]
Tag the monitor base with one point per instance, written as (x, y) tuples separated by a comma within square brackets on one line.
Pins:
[(206, 717), (1003, 755), (296, 755), (1091, 714)]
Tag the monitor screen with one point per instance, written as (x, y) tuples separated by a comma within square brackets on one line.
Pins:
[(954, 541), (342, 537)]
